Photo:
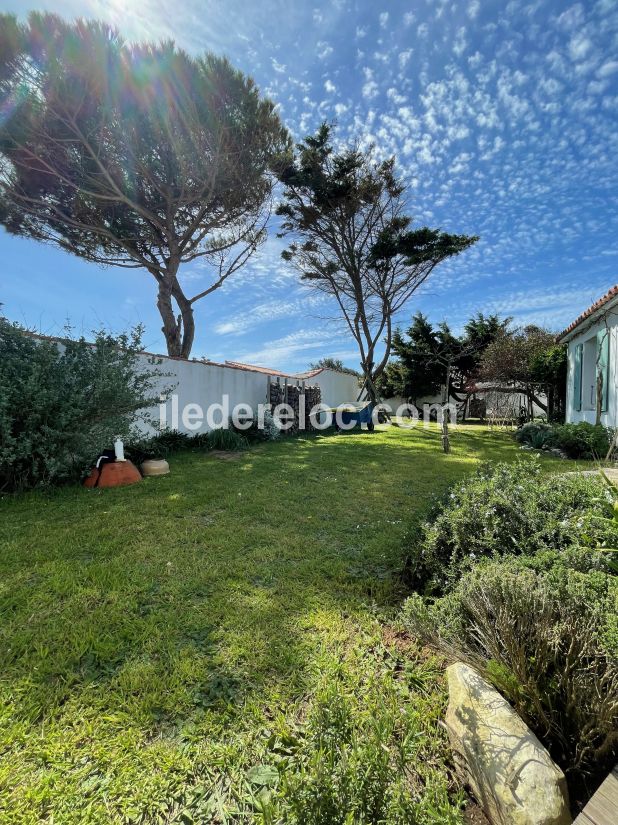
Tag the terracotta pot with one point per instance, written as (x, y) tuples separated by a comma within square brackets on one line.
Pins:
[(92, 479), (114, 474), (155, 467)]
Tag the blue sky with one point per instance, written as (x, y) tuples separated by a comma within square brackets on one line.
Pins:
[(504, 120)]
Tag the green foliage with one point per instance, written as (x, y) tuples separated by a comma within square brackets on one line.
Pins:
[(270, 431), (61, 406), (547, 639), (168, 442), (581, 440), (145, 156), (535, 434), (348, 767), (226, 439), (165, 443), (528, 360), (425, 351), (416, 373), (600, 526), (523, 566), (501, 510)]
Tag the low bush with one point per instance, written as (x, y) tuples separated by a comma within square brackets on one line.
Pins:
[(61, 405), (581, 440), (537, 435), (547, 639), (503, 509), (167, 442), (164, 443), (226, 439)]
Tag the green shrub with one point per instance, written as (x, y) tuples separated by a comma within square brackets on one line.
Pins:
[(580, 440), (503, 509), (547, 640), (60, 406), (164, 443), (226, 439), (583, 440), (537, 435)]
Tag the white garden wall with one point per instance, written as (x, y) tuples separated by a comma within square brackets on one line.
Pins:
[(205, 384)]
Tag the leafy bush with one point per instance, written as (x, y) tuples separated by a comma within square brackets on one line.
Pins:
[(537, 435), (581, 440), (226, 439), (171, 441), (60, 406), (600, 526), (164, 443), (502, 509), (547, 639)]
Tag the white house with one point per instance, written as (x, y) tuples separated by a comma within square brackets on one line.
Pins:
[(593, 362)]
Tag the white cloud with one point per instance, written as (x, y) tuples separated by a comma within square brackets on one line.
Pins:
[(473, 9), (460, 44), (323, 49), (278, 67), (370, 87), (572, 18), (579, 46), (330, 87), (609, 68), (384, 20), (295, 349), (404, 58)]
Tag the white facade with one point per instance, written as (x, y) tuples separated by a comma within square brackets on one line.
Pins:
[(592, 349)]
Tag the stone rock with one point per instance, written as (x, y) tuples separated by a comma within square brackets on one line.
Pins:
[(510, 773)]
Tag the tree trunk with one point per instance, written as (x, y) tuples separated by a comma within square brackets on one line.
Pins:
[(187, 320), (179, 330)]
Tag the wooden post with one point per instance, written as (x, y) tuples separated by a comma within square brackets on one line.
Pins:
[(446, 445)]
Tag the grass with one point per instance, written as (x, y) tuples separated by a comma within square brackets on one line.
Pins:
[(213, 645)]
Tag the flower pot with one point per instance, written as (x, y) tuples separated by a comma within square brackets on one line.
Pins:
[(113, 474), (155, 467)]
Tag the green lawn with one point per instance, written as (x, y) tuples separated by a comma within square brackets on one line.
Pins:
[(213, 646)]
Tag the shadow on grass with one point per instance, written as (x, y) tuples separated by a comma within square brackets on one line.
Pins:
[(190, 593)]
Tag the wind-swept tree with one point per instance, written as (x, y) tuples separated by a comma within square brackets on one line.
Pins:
[(426, 354), (416, 373), (134, 155), (352, 239)]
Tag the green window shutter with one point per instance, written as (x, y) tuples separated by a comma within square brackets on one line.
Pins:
[(603, 365), (577, 377)]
